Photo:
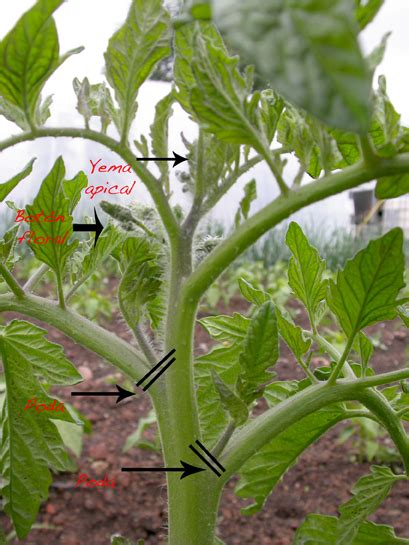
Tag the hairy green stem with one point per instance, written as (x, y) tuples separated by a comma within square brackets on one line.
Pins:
[(76, 287), (35, 279), (276, 172), (267, 426), (97, 339), (224, 439), (361, 414), (11, 281), (341, 361), (368, 150), (283, 207), (144, 345)]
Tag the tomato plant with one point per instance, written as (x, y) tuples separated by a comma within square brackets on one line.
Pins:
[(321, 109)]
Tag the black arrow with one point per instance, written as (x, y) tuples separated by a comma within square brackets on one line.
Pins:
[(85, 227), (186, 469), (177, 159), (121, 394)]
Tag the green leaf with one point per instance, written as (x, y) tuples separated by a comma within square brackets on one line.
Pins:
[(73, 188), (368, 494), (403, 312), (232, 404), (30, 443), (377, 55), (305, 270), (310, 140), (292, 336), (7, 246), (391, 187), (8, 187), (95, 100), (52, 198), (137, 439), (250, 194), (71, 435), (13, 114), (385, 130), (160, 135), (309, 51), (365, 291), (109, 240), (252, 294), (46, 359), (29, 54), (260, 352), (323, 530), (226, 328), (261, 473), (366, 10), (133, 52), (211, 88), (386, 133), (365, 350), (141, 279), (224, 360)]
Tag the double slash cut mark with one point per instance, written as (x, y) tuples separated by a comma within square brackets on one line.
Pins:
[(152, 371), (209, 455), (122, 393)]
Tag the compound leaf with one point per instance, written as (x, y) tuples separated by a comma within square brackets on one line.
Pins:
[(366, 349), (366, 11), (261, 473), (260, 351), (252, 294), (95, 100), (7, 246), (308, 50), (52, 247), (141, 279), (365, 291), (250, 194), (305, 270), (8, 187), (29, 54), (210, 86), (30, 442), (292, 336), (46, 359), (159, 135), (231, 403), (226, 328), (323, 530), (368, 494), (133, 52)]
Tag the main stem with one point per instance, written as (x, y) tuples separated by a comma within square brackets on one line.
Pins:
[(193, 502)]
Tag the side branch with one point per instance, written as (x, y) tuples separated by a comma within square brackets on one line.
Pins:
[(283, 207), (11, 281), (270, 424), (83, 331)]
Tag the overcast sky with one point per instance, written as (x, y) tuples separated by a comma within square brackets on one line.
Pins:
[(90, 23)]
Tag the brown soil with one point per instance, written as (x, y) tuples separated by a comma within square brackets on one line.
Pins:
[(136, 506)]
